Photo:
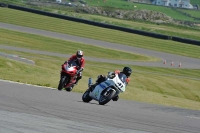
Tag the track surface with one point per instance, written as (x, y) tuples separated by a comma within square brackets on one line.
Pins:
[(30, 109), (185, 61), (25, 108)]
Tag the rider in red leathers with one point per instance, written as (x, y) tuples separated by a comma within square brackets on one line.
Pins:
[(78, 57)]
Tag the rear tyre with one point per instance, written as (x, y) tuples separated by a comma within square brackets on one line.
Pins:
[(106, 97), (86, 98), (61, 83)]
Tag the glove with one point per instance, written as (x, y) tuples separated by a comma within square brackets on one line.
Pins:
[(65, 62), (111, 74), (78, 71), (100, 76), (77, 67)]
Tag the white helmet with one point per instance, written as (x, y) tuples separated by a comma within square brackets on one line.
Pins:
[(79, 54)]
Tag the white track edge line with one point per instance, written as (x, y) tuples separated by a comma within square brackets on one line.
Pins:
[(14, 82)]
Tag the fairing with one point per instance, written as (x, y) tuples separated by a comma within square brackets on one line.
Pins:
[(117, 83)]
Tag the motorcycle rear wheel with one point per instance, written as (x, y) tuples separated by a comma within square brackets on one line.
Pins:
[(69, 89), (105, 99)]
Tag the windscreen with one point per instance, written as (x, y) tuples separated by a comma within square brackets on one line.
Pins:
[(72, 63), (122, 77)]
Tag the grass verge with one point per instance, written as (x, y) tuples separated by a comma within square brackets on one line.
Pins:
[(36, 42), (83, 30), (147, 83)]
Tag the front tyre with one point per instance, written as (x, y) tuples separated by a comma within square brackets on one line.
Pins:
[(61, 83), (86, 98), (106, 97)]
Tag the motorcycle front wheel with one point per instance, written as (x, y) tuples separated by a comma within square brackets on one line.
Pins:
[(106, 97), (61, 83), (86, 98)]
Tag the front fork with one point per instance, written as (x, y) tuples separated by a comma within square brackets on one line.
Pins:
[(61, 74)]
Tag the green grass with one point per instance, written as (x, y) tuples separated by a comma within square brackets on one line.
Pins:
[(166, 29), (36, 42), (130, 6), (195, 2), (147, 83), (83, 30), (177, 73), (133, 24), (192, 13), (116, 4)]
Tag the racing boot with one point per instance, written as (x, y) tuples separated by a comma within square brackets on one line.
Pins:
[(70, 88), (115, 98)]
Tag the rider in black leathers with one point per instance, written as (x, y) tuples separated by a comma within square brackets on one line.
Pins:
[(101, 78)]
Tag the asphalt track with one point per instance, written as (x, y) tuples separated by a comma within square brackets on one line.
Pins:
[(186, 62), (32, 109)]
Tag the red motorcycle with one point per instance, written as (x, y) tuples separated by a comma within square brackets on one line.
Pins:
[(68, 76)]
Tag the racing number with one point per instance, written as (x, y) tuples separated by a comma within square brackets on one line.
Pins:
[(120, 85)]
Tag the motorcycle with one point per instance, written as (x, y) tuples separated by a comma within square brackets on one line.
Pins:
[(68, 76), (106, 90)]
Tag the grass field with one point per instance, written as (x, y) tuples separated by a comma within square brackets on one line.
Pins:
[(117, 4), (195, 2), (130, 6), (165, 29), (83, 30), (193, 13), (171, 87), (59, 46)]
